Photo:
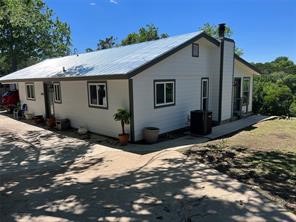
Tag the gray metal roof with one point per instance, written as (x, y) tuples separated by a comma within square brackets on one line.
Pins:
[(116, 61)]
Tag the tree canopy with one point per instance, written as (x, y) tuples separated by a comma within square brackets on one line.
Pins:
[(275, 89), (29, 33), (106, 43), (144, 34), (280, 64)]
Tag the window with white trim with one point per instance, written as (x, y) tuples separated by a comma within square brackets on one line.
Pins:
[(30, 91), (164, 93), (204, 94), (97, 94), (57, 92), (195, 50), (246, 90)]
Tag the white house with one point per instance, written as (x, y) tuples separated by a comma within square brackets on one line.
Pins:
[(160, 82)]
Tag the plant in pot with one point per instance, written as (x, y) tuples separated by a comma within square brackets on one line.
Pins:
[(123, 116)]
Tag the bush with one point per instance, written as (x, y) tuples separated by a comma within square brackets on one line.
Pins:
[(272, 98), (273, 94), (293, 108)]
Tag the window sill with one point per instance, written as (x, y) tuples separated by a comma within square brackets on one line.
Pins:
[(97, 107), (165, 105)]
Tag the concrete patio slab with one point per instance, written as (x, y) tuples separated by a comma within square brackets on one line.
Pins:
[(190, 140), (235, 126)]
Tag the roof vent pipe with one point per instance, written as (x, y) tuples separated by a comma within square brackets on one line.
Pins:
[(221, 30)]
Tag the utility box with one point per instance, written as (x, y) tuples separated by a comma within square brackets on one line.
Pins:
[(62, 124), (200, 122)]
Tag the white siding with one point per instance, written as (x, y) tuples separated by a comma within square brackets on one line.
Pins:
[(187, 71), (37, 106), (75, 107), (241, 71), (228, 58), (214, 82)]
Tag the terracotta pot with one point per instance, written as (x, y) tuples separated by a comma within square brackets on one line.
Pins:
[(150, 134), (123, 139), (51, 122)]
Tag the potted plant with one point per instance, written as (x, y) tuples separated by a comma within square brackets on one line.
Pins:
[(150, 134), (123, 116)]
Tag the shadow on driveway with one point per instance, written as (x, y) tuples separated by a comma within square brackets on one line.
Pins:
[(45, 177)]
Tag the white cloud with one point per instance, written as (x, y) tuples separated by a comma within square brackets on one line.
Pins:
[(114, 1), (92, 3)]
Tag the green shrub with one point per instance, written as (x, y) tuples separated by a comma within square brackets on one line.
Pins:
[(293, 108), (276, 99)]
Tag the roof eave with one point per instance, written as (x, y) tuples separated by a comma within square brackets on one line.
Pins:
[(76, 78)]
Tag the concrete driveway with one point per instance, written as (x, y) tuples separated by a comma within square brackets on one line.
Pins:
[(46, 176)]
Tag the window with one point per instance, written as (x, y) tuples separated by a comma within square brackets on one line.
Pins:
[(97, 94), (246, 90), (30, 91), (195, 50), (57, 92), (164, 93), (204, 93)]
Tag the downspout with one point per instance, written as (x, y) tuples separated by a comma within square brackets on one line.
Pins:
[(131, 109), (221, 80)]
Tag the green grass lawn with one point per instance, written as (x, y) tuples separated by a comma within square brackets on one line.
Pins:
[(263, 156)]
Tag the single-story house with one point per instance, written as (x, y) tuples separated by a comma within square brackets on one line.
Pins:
[(159, 82)]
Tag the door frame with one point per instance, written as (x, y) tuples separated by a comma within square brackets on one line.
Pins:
[(47, 104), (236, 112), (204, 79)]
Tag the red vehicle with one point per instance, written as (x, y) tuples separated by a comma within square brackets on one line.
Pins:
[(10, 99)]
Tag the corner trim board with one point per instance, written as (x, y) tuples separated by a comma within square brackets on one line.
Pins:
[(221, 80)]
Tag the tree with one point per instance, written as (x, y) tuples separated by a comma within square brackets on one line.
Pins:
[(290, 81), (29, 33), (212, 30), (147, 33), (280, 64), (275, 90), (277, 99), (106, 43), (89, 50), (292, 108)]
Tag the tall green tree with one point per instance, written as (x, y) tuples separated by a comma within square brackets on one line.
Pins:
[(212, 30), (275, 90), (144, 34), (29, 32)]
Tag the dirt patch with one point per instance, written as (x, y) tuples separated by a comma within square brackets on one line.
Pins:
[(274, 135), (272, 172)]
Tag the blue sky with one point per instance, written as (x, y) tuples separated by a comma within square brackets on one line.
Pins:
[(264, 29)]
